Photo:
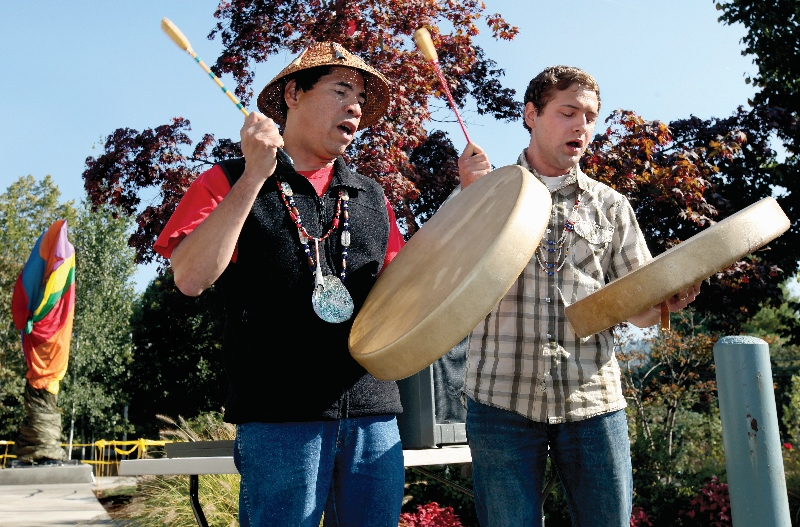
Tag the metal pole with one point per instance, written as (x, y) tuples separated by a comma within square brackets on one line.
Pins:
[(756, 480), (125, 430), (194, 498), (71, 430)]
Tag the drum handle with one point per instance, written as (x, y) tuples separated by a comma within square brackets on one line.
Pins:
[(665, 316)]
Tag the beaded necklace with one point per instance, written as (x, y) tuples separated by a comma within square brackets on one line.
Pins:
[(559, 246), (331, 300), (341, 212)]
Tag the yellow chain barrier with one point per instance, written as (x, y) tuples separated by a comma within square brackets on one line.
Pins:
[(106, 456), (5, 455)]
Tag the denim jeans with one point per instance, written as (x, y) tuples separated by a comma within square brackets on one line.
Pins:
[(290, 472), (509, 456)]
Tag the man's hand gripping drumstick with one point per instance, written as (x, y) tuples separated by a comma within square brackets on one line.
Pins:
[(201, 257), (473, 162), (257, 132)]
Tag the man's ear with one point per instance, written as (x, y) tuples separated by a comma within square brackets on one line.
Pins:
[(530, 114), (290, 94)]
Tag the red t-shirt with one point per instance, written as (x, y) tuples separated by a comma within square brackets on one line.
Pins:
[(211, 187)]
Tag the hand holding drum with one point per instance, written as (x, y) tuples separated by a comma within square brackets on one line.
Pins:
[(677, 269)]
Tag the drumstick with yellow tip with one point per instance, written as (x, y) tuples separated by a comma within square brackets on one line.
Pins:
[(183, 43), (180, 39), (425, 44)]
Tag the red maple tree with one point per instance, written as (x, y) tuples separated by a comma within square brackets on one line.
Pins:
[(381, 31), (678, 175)]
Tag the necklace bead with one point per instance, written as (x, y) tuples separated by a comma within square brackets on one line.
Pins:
[(287, 195), (542, 250)]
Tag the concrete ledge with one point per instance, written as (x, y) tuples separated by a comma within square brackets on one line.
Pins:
[(437, 456), (224, 464), (44, 475)]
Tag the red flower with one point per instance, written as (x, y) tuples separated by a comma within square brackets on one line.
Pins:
[(639, 518), (430, 515)]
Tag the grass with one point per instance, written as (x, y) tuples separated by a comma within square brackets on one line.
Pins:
[(164, 500)]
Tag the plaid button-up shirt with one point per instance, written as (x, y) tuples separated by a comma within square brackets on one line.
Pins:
[(525, 356)]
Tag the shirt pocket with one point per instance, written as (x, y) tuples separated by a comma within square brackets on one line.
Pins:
[(590, 243)]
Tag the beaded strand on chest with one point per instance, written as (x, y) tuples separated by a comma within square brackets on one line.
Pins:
[(341, 215), (559, 246)]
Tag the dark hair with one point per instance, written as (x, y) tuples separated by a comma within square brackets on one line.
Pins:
[(540, 89), (305, 80)]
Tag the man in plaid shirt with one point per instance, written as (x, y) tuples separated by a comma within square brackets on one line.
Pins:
[(532, 385)]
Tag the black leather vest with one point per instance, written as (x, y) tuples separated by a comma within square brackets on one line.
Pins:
[(283, 362)]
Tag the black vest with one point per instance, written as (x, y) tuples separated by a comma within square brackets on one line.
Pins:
[(283, 362)]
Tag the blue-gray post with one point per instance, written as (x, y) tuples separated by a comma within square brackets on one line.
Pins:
[(756, 480)]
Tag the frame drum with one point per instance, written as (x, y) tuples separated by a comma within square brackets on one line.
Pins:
[(680, 267), (451, 273)]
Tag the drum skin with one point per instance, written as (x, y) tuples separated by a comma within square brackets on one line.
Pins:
[(678, 268), (451, 273)]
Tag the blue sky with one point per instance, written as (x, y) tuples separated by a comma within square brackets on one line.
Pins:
[(78, 70)]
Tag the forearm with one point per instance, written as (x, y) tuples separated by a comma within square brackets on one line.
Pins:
[(201, 257)]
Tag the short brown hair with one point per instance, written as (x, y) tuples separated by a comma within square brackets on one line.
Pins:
[(540, 89)]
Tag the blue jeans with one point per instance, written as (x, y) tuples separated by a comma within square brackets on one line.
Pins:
[(350, 468), (509, 456)]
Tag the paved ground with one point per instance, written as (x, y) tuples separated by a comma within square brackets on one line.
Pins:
[(56, 505)]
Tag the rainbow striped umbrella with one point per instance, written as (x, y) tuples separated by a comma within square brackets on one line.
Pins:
[(43, 306)]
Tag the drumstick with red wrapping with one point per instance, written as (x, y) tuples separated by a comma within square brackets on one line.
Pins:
[(180, 39), (425, 44)]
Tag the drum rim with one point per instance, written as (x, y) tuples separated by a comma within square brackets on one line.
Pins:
[(579, 312)]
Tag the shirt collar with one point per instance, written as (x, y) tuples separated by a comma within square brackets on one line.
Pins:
[(342, 175), (575, 174)]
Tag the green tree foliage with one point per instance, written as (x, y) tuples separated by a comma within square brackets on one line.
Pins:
[(676, 434), (27, 208), (779, 326), (101, 350), (773, 39), (177, 368), (791, 413)]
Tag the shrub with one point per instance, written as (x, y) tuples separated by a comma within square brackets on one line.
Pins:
[(639, 518), (430, 515), (711, 506), (791, 466), (164, 500), (423, 489)]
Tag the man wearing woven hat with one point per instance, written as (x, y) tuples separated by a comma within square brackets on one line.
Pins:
[(295, 243)]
